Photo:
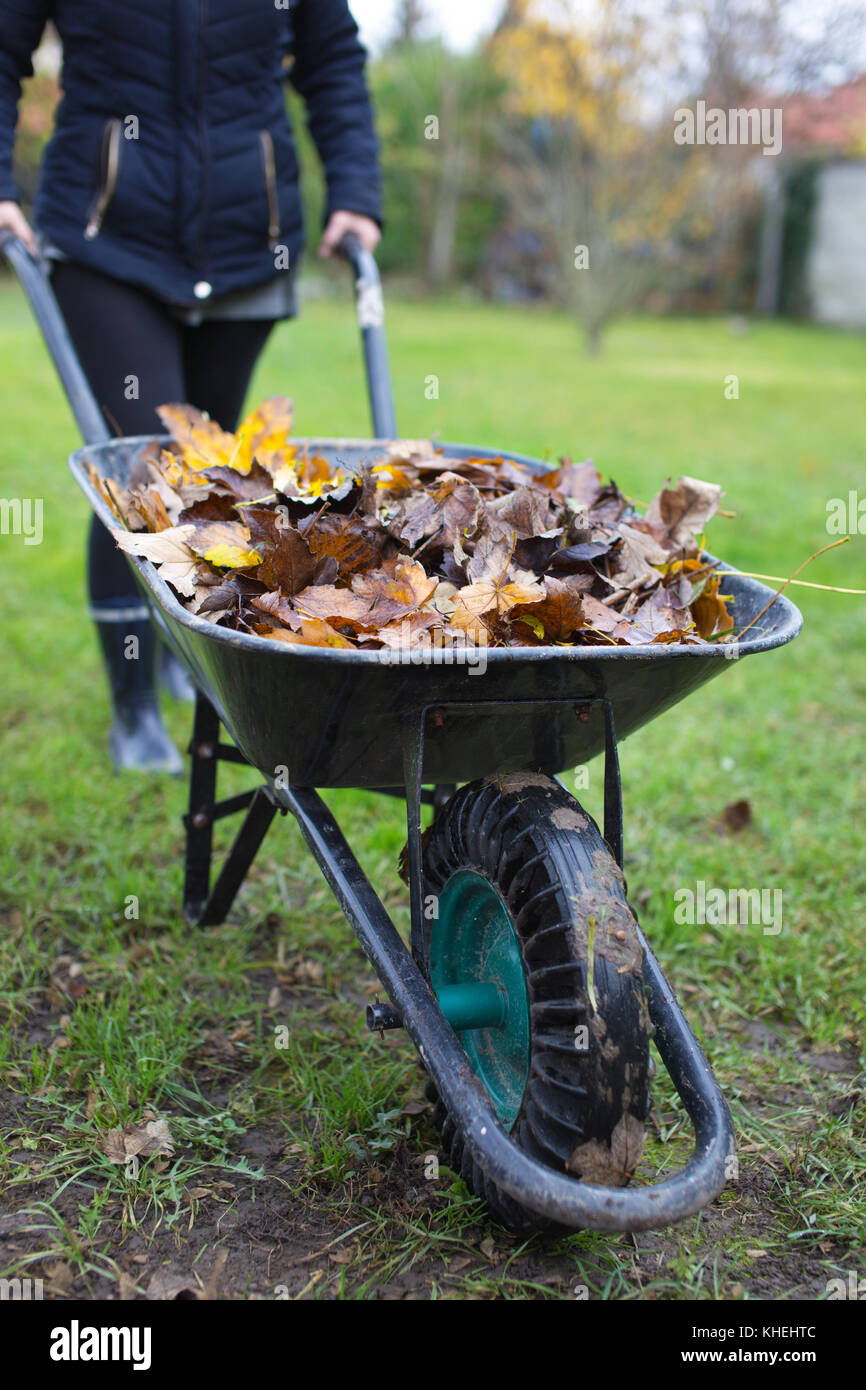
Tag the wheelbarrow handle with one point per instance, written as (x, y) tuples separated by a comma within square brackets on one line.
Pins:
[(371, 321), (33, 274), (32, 271)]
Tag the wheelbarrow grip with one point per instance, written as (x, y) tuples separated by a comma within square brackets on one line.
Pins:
[(33, 274), (371, 320)]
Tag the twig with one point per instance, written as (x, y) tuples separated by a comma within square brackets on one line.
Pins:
[(824, 548), (801, 583)]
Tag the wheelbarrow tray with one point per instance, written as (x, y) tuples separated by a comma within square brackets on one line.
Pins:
[(333, 718)]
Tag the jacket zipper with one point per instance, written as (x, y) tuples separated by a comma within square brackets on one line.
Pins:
[(108, 178), (271, 185)]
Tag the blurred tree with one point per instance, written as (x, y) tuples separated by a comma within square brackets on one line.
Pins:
[(437, 120), (39, 97), (757, 53), (588, 171), (411, 21)]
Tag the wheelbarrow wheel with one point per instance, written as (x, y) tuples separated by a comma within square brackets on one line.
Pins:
[(525, 895)]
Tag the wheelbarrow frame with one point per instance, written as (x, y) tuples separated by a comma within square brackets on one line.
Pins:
[(403, 971)]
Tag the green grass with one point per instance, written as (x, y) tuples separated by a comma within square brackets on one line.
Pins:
[(183, 1023)]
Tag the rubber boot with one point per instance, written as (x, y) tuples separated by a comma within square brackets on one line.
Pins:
[(137, 739), (174, 677)]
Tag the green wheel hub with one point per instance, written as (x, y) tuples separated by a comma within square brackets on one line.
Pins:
[(476, 970)]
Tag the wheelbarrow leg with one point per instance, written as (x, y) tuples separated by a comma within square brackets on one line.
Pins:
[(202, 798), (257, 822), (203, 907)]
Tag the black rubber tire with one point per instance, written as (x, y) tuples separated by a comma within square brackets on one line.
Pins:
[(583, 1110)]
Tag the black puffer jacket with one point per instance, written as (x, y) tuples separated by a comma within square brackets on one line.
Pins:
[(172, 165)]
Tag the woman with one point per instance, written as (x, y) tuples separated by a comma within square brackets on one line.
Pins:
[(168, 206)]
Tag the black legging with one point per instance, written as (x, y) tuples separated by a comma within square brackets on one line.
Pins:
[(120, 332)]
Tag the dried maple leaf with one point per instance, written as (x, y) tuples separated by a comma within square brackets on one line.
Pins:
[(610, 1165), (445, 510), (286, 562), (495, 597), (406, 631), (559, 613), (580, 481), (314, 633), (137, 1141), (684, 511), (340, 605), (401, 583), (633, 565), (527, 511), (496, 588), (278, 606), (201, 441), (256, 485), (354, 542), (599, 616), (710, 611), (663, 613), (225, 544), (168, 549), (262, 431)]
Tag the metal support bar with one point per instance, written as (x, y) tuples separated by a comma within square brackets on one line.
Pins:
[(263, 807), (413, 764), (428, 794), (202, 796), (232, 804), (227, 753), (612, 787), (201, 905)]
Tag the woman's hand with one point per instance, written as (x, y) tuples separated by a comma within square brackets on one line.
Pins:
[(12, 220), (365, 229)]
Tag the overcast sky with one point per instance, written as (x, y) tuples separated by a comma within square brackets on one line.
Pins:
[(461, 21)]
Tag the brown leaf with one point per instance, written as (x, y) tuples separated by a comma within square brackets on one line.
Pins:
[(201, 440), (560, 611), (327, 601), (612, 1165), (405, 631), (168, 549), (526, 510), (352, 541), (684, 511), (635, 558), (252, 486), (399, 587), (264, 430), (489, 597), (599, 616), (580, 481), (446, 510), (137, 1140), (287, 564), (314, 633), (736, 816), (663, 612)]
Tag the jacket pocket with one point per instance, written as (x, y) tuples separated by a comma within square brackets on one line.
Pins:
[(270, 166), (109, 171)]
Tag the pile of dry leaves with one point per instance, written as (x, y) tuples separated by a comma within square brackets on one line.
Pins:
[(259, 535)]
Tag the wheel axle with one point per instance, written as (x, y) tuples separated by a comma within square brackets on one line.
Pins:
[(476, 1005)]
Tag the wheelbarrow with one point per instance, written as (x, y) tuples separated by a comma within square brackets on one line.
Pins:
[(527, 986)]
